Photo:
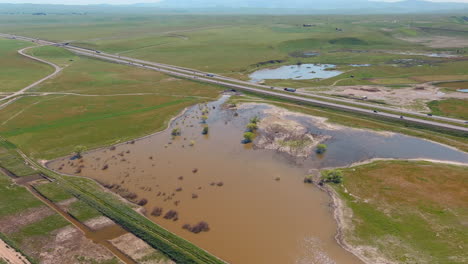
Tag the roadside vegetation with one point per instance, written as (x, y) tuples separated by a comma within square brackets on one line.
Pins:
[(409, 211), (12, 161), (456, 108)]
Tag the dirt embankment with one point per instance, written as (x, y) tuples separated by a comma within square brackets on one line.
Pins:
[(139, 250)]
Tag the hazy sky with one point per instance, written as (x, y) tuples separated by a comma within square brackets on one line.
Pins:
[(84, 2)]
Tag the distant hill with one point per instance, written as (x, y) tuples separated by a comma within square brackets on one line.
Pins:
[(250, 7), (355, 5)]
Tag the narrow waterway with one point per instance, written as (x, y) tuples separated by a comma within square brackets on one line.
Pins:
[(255, 201)]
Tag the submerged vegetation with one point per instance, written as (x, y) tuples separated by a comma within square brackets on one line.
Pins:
[(248, 137), (321, 148)]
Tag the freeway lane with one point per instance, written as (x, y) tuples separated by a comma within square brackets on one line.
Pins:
[(246, 86), (223, 78)]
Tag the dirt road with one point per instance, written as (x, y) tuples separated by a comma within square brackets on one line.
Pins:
[(10, 255)]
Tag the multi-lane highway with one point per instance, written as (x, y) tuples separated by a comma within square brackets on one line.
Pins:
[(231, 83)]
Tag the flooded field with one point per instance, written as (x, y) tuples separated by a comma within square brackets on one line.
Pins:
[(255, 202), (296, 72)]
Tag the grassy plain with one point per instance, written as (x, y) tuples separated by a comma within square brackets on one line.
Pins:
[(235, 45), (412, 212), (457, 108), (109, 103), (17, 71)]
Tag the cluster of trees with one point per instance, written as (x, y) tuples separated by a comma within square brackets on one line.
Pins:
[(332, 176), (249, 135)]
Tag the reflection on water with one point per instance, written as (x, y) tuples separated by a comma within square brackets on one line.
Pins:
[(255, 201), (296, 72)]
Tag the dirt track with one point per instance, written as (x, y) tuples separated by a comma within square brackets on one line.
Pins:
[(10, 255)]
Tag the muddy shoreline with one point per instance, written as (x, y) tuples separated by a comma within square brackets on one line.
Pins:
[(342, 213)]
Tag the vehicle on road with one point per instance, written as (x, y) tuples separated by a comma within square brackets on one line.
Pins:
[(401, 117), (210, 75), (429, 114), (290, 90), (375, 111)]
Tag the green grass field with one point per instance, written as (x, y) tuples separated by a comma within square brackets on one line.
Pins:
[(12, 161), (14, 199), (457, 108), (235, 45), (17, 71), (412, 212), (110, 103)]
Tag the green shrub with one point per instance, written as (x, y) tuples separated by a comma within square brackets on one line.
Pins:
[(321, 148), (333, 176)]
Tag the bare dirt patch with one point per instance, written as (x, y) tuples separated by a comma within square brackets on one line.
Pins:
[(287, 136), (64, 205), (139, 251), (14, 223), (11, 256), (439, 41), (98, 223), (66, 245), (414, 97)]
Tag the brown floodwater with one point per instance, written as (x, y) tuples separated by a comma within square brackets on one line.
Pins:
[(263, 212)]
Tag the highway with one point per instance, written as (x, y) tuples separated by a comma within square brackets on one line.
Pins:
[(231, 83)]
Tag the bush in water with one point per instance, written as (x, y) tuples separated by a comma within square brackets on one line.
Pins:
[(321, 148), (248, 137)]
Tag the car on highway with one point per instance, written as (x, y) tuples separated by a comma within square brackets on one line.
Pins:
[(375, 111), (290, 90)]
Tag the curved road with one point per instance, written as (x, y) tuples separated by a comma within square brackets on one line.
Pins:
[(22, 91), (266, 90)]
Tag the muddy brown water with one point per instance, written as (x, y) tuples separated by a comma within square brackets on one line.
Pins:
[(253, 217)]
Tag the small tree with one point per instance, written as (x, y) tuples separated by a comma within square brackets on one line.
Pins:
[(205, 130), (248, 137), (321, 148), (333, 176), (175, 132), (251, 127), (204, 118), (255, 120), (79, 150)]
